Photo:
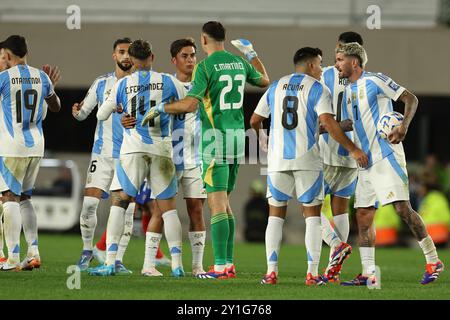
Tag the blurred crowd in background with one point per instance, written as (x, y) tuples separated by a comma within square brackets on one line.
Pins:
[(429, 185)]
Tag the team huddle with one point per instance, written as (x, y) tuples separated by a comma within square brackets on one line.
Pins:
[(158, 132)]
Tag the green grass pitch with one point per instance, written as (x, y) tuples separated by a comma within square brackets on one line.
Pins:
[(401, 271)]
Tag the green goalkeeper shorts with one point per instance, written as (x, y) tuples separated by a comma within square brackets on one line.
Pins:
[(219, 177)]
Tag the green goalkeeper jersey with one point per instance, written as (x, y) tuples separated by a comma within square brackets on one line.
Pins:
[(219, 81)]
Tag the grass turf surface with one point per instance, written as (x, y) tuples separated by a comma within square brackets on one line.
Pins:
[(401, 271)]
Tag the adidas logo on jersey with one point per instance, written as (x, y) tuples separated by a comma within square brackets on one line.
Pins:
[(390, 195)]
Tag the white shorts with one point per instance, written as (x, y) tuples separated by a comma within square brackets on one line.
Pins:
[(133, 168), (100, 172), (340, 181), (385, 181), (115, 184), (192, 183), (3, 185), (19, 174), (308, 186)]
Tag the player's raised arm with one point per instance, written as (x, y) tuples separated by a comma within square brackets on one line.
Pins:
[(53, 102), (246, 48), (53, 76), (53, 72), (411, 102), (265, 81), (51, 98)]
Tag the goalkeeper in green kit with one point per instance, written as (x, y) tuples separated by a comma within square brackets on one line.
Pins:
[(218, 82)]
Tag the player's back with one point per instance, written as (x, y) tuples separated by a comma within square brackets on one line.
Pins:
[(137, 93), (227, 74), (219, 82), (294, 127), (22, 92)]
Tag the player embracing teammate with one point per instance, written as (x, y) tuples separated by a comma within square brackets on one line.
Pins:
[(219, 82)]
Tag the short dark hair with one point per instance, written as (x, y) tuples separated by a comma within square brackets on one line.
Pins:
[(306, 53), (140, 49), (17, 44), (350, 36), (121, 41), (179, 44), (215, 30)]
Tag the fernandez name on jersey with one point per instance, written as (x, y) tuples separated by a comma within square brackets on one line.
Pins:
[(137, 93), (144, 87)]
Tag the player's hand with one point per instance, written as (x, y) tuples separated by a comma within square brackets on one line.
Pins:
[(128, 122), (76, 108), (360, 157), (346, 125), (263, 141), (152, 113), (397, 134), (119, 109), (245, 47), (53, 73)]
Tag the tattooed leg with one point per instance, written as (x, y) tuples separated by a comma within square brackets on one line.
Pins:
[(366, 232), (120, 199), (412, 219)]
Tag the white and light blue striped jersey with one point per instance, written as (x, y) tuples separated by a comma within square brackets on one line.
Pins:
[(137, 93), (22, 92), (332, 152), (186, 135), (109, 133), (294, 104), (365, 101)]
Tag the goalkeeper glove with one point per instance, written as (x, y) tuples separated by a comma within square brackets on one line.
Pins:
[(245, 47), (153, 113)]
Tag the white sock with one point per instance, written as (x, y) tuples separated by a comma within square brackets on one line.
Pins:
[(330, 237), (30, 228), (12, 226), (313, 242), (127, 231), (114, 230), (274, 235), (197, 239), (220, 267), (2, 255), (342, 226), (88, 221), (173, 233), (152, 240), (367, 260), (429, 250)]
